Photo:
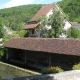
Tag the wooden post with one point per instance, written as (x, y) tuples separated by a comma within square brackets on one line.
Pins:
[(7, 54), (49, 60), (36, 60), (25, 57)]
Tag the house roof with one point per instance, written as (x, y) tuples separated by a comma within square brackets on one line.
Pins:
[(51, 45), (75, 23), (43, 11), (31, 26)]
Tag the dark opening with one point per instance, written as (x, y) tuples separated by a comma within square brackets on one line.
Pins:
[(41, 60), (32, 31)]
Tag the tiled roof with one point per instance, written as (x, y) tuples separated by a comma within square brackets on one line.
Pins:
[(31, 26), (75, 23), (43, 11), (52, 45)]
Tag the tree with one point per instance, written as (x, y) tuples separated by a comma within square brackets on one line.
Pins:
[(1, 28), (71, 8), (16, 16), (44, 20), (22, 33), (73, 33), (8, 37), (56, 21)]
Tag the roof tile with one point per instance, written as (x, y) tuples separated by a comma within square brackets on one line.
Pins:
[(31, 26), (52, 45), (43, 11)]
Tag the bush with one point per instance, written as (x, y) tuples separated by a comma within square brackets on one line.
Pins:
[(73, 33), (52, 70), (22, 33), (76, 66), (1, 52), (8, 37)]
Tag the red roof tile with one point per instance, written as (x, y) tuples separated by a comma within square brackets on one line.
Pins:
[(31, 26), (52, 45), (43, 11)]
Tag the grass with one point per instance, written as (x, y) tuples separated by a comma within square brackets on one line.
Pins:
[(10, 71)]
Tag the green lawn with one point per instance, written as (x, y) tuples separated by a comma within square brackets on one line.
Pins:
[(9, 71)]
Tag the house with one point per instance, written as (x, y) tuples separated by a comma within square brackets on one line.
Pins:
[(43, 52), (33, 26), (76, 24)]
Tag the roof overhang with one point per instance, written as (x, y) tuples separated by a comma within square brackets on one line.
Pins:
[(50, 45), (75, 23), (31, 26)]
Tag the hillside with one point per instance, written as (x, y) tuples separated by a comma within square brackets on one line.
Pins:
[(71, 8), (15, 17)]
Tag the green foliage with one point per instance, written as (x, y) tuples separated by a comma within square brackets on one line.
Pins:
[(15, 17), (73, 33), (8, 37), (44, 20), (52, 70), (1, 28), (71, 8), (1, 52), (57, 23), (56, 20), (76, 66), (18, 26), (22, 33), (49, 33)]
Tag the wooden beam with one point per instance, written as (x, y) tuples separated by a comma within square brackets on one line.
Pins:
[(7, 54), (25, 57), (49, 60)]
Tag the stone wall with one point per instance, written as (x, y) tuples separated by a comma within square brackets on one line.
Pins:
[(67, 75)]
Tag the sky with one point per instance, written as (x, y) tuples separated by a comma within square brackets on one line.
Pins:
[(13, 3)]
